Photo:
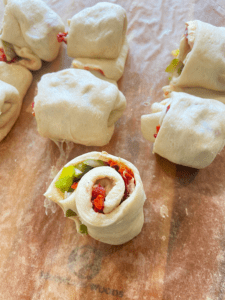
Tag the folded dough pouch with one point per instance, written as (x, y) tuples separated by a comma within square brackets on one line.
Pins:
[(75, 105), (186, 129), (200, 60), (97, 39), (14, 83), (29, 31), (103, 194)]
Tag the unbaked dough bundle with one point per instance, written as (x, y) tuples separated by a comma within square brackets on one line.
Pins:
[(97, 39), (75, 105), (30, 31), (202, 58), (186, 129), (116, 220), (14, 83)]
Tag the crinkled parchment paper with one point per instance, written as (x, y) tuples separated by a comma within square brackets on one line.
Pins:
[(180, 253)]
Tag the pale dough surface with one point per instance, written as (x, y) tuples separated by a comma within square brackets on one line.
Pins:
[(112, 68), (75, 105), (123, 222), (14, 83), (192, 131), (204, 64), (32, 27), (97, 32)]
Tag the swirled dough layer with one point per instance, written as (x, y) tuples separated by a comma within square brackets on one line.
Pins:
[(121, 221)]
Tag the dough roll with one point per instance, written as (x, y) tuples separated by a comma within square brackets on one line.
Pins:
[(14, 83), (201, 52), (108, 197), (30, 31), (186, 130), (75, 105), (97, 39)]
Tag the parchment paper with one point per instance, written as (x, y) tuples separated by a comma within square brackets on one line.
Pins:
[(180, 253)]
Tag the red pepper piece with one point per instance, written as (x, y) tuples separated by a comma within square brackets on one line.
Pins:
[(98, 198), (99, 70), (126, 173), (157, 131), (74, 185), (3, 57), (99, 203), (61, 37), (168, 107), (98, 190)]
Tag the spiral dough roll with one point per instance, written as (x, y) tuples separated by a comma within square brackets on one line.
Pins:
[(121, 220)]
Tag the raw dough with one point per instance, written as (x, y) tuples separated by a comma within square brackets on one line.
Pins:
[(192, 130), (97, 39), (75, 105), (203, 57), (97, 32), (31, 28), (14, 83), (123, 221)]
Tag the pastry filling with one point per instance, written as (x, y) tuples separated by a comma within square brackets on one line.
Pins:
[(158, 127), (61, 37), (3, 57), (70, 177), (181, 55)]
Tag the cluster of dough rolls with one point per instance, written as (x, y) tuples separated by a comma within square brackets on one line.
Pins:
[(188, 127), (28, 36), (81, 104)]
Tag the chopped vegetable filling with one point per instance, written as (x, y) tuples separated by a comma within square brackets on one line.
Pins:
[(158, 127), (3, 57), (70, 176), (61, 37), (175, 65), (70, 213), (98, 198)]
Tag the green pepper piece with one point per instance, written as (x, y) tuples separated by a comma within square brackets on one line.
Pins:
[(83, 229), (65, 179), (70, 213), (94, 163), (172, 66)]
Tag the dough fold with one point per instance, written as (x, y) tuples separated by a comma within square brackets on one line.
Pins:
[(30, 30), (14, 83), (202, 53), (97, 39), (75, 105), (192, 129), (111, 68), (121, 221)]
